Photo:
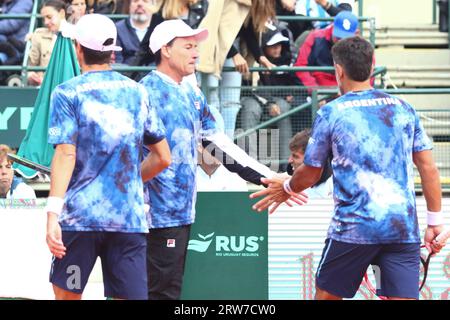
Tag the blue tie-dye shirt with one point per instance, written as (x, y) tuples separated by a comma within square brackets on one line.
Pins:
[(371, 136), (186, 116), (107, 117)]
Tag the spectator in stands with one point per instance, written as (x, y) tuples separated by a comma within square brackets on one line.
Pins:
[(43, 39), (316, 50), (319, 9), (190, 11), (12, 187), (122, 6), (223, 20), (266, 104), (324, 186), (322, 9), (78, 8), (131, 31), (102, 6), (287, 8), (75, 10), (262, 17), (13, 31)]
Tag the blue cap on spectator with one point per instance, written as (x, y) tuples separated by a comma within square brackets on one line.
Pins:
[(345, 25)]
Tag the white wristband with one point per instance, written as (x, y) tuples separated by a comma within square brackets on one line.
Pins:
[(55, 205), (287, 187), (435, 218)]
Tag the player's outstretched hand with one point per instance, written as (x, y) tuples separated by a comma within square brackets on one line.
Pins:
[(274, 195), (54, 237)]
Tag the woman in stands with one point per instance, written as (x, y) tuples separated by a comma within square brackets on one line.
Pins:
[(43, 39), (75, 9), (231, 24), (103, 6)]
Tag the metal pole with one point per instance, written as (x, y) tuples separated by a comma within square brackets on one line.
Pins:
[(24, 74), (360, 14), (448, 22), (204, 84), (314, 104), (434, 12), (372, 31)]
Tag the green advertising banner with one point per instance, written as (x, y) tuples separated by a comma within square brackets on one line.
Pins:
[(16, 107), (228, 252)]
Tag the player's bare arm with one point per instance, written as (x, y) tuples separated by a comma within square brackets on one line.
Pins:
[(431, 187), (158, 159), (62, 167)]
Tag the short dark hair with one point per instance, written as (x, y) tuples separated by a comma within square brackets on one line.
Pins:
[(158, 57), (158, 53), (97, 57), (300, 141), (355, 55)]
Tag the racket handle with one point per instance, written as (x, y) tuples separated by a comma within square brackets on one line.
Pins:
[(443, 236)]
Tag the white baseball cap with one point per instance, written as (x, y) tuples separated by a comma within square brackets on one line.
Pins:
[(168, 30), (92, 30), (276, 38)]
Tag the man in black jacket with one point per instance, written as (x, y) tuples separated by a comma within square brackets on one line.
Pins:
[(131, 31)]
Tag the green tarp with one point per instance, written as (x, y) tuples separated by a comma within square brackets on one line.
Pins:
[(63, 66)]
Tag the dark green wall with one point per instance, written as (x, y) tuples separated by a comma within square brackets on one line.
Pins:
[(15, 111)]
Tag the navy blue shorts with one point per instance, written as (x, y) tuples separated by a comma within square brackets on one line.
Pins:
[(123, 258), (343, 265)]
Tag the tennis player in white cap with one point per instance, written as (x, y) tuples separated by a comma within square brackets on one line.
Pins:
[(189, 121), (98, 124)]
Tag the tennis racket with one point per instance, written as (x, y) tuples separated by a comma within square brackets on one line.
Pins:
[(442, 237), (28, 163)]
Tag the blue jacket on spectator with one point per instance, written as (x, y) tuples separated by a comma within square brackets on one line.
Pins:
[(128, 40), (15, 30)]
